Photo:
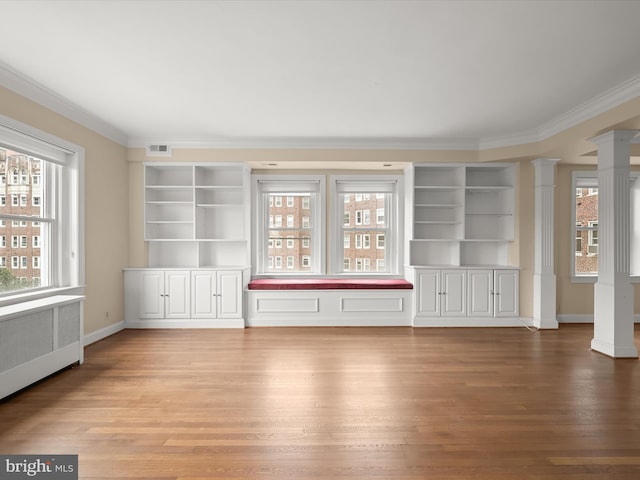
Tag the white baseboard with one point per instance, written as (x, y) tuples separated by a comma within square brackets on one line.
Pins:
[(103, 333), (472, 322), (584, 318), (186, 323)]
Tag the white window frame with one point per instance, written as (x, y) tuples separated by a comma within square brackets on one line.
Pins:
[(63, 269), (282, 184), (340, 186), (589, 179)]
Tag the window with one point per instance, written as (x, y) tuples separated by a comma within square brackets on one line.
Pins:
[(3, 200), (44, 178), (346, 218), (585, 207), (346, 265), (302, 230), (3, 262), (586, 229), (382, 195), (3, 241)]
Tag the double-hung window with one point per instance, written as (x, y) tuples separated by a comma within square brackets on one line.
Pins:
[(372, 246), (302, 232), (584, 261), (43, 217)]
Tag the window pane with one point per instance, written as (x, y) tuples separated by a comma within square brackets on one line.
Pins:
[(294, 248), (586, 221), (364, 230), (23, 242)]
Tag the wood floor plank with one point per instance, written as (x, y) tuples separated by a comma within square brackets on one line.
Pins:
[(337, 403)]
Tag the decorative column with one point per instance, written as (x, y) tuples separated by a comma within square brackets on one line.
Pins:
[(544, 277), (613, 294)]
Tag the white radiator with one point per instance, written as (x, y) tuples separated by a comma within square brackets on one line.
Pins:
[(38, 338)]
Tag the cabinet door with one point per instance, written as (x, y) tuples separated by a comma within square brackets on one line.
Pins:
[(454, 299), (177, 298), (204, 295), (428, 293), (481, 294), (229, 294), (506, 293), (151, 293)]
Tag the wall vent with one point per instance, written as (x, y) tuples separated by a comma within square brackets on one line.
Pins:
[(158, 150)]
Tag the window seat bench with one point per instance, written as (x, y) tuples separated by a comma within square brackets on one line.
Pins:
[(329, 302)]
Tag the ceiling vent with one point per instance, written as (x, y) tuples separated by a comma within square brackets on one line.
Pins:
[(158, 151)]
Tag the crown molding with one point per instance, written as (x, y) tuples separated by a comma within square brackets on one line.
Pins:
[(310, 143), (28, 88), (40, 94), (599, 104)]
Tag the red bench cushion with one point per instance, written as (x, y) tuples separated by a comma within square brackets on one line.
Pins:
[(329, 284)]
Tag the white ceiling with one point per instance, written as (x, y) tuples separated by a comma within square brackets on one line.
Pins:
[(449, 73)]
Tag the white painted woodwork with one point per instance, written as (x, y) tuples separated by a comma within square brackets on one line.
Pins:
[(506, 293), (229, 294), (38, 338), (204, 294), (197, 215), (427, 288), (200, 298), (460, 215), (544, 278), (329, 307), (466, 297), (613, 292), (453, 293), (481, 293)]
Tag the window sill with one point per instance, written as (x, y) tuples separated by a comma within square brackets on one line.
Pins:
[(21, 297)]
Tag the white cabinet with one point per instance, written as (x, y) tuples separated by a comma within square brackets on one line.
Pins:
[(164, 294), (216, 294), (441, 293), (199, 298), (493, 293), (466, 297)]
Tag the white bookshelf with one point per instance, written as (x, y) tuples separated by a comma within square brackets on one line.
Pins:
[(196, 215), (461, 215)]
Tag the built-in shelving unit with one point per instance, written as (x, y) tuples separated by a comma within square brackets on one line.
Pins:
[(460, 215), (196, 215)]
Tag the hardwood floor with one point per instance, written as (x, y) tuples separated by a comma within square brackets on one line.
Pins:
[(353, 403)]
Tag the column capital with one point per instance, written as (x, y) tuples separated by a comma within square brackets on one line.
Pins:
[(544, 171), (624, 136)]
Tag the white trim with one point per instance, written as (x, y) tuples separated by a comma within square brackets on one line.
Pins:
[(584, 318), (103, 333), (34, 91), (473, 322)]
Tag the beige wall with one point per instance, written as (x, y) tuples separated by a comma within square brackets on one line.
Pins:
[(106, 207), (114, 196), (573, 298)]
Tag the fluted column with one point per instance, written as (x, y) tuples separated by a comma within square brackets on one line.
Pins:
[(613, 294), (544, 277)]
